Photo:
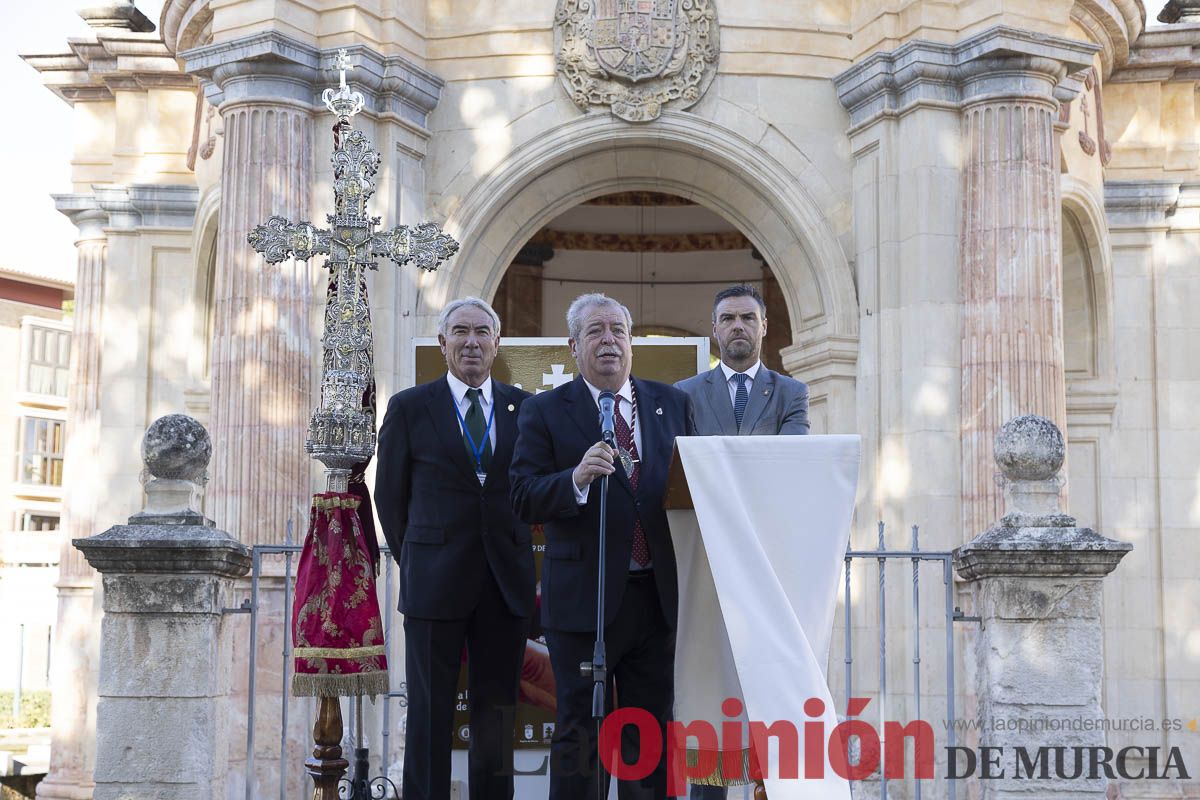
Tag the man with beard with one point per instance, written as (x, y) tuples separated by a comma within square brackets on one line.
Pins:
[(740, 396), (559, 456)]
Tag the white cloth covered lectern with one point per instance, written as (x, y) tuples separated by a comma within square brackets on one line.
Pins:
[(759, 562)]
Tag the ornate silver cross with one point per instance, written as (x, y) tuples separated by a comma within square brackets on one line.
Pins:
[(341, 431)]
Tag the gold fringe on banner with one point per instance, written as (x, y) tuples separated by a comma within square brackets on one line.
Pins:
[(340, 652), (717, 778), (327, 502), (366, 684)]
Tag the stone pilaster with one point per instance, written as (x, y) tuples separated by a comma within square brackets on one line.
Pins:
[(167, 576), (72, 747), (1039, 653)]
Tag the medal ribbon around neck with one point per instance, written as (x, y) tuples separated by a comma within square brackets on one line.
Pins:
[(477, 450), (624, 455)]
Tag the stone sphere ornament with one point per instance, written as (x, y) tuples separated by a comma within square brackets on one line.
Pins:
[(1029, 448), (177, 447)]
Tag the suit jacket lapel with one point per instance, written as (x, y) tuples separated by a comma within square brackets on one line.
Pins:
[(586, 416), (506, 428), (445, 424), (760, 394), (718, 400), (652, 434)]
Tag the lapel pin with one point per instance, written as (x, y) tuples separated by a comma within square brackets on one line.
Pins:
[(658, 411), (511, 407), (766, 392)]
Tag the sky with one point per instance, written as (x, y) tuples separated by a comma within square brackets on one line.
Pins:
[(34, 237)]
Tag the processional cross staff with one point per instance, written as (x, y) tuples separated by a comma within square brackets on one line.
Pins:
[(336, 622)]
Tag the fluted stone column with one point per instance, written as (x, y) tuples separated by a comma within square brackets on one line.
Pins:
[(72, 748), (261, 349), (1010, 260)]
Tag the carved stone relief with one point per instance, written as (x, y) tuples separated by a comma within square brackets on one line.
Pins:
[(636, 57)]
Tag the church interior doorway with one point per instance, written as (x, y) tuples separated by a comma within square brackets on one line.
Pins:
[(662, 255)]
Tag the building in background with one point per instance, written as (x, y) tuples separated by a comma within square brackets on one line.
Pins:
[(35, 338), (957, 212)]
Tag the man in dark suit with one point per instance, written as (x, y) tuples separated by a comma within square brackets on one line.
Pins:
[(740, 396), (466, 563), (558, 458)]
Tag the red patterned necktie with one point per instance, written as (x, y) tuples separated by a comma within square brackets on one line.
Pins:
[(641, 549)]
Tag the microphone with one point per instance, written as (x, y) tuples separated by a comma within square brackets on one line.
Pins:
[(607, 425)]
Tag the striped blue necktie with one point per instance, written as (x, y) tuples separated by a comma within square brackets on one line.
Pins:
[(741, 398)]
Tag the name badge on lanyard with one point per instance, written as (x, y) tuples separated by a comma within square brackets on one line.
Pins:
[(477, 449)]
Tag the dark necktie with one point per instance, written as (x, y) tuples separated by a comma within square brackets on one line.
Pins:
[(641, 548), (741, 398), (477, 427)]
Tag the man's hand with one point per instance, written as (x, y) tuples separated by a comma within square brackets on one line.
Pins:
[(597, 462)]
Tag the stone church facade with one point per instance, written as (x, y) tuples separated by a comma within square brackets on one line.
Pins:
[(963, 211)]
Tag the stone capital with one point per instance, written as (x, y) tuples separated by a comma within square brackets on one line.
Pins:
[(268, 66), (84, 210), (1000, 63)]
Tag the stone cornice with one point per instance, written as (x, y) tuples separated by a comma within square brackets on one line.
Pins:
[(1140, 204), (1014, 550), (120, 207), (164, 550), (1000, 62), (121, 15), (271, 65), (1163, 54), (112, 60)]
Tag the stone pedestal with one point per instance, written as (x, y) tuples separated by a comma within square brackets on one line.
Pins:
[(1039, 665), (167, 576)]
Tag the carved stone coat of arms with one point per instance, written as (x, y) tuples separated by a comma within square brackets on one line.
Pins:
[(636, 56)]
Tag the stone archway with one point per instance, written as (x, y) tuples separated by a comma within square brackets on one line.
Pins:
[(680, 154)]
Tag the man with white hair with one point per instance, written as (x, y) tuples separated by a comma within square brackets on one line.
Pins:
[(559, 456), (466, 563)]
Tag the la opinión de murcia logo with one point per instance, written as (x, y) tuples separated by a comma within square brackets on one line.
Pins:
[(836, 751)]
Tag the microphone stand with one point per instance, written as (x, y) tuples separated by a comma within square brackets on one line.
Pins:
[(597, 668)]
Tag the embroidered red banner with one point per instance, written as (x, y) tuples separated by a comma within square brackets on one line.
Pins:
[(337, 630)]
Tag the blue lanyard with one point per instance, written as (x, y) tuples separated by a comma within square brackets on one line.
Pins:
[(477, 450)]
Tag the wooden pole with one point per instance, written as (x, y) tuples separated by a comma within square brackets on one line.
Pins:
[(327, 767)]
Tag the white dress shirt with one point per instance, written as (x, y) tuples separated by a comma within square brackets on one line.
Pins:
[(459, 390), (624, 407), (732, 384)]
